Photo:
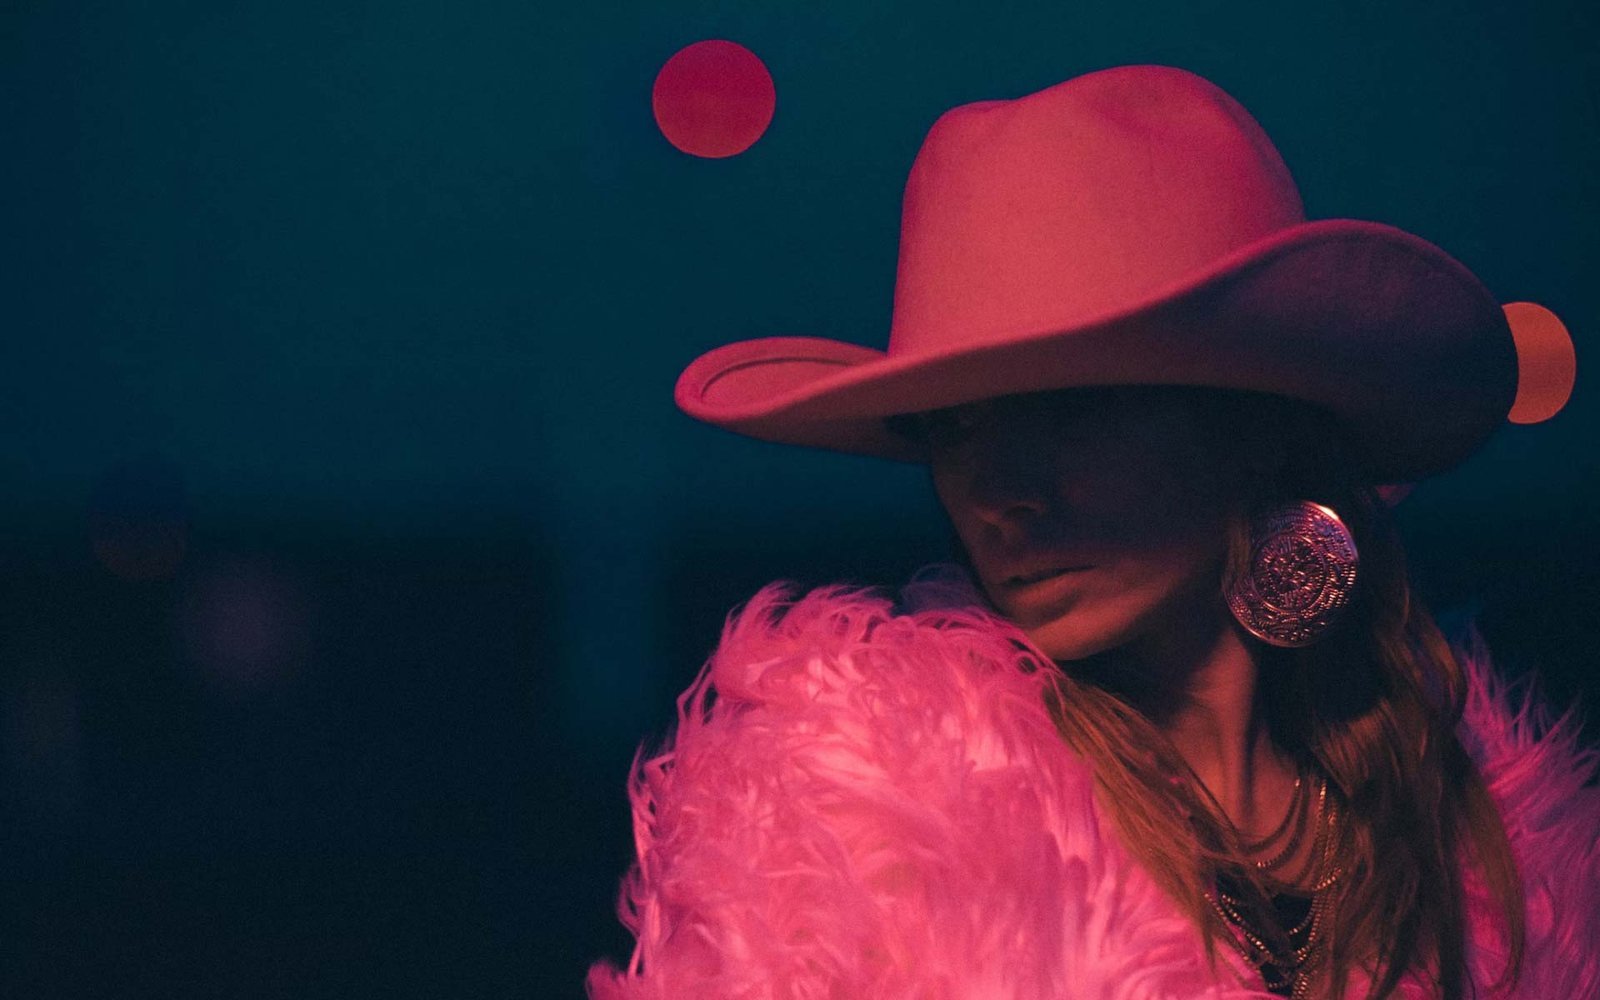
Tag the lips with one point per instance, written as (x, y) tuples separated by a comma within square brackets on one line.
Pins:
[(1023, 579)]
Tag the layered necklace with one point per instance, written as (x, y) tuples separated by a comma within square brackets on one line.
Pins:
[(1288, 969)]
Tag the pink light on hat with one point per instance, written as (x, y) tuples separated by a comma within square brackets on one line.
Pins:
[(1547, 364), (713, 99)]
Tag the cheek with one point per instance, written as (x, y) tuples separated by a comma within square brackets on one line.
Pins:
[(1130, 596), (1145, 585), (1154, 508), (1146, 531), (1176, 544)]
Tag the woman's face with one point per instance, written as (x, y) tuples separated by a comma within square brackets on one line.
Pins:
[(1094, 517)]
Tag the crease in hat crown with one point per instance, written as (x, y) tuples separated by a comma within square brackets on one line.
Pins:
[(1133, 225), (1109, 158)]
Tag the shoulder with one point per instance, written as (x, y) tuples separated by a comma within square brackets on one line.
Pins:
[(844, 692), (866, 797), (936, 659), (1543, 780), (1534, 762)]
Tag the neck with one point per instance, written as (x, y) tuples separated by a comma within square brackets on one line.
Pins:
[(1196, 679), (1219, 728)]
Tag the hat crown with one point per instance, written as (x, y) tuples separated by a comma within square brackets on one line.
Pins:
[(1071, 204), (1135, 226)]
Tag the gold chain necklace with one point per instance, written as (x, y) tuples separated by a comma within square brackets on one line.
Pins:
[(1297, 965), (1295, 803), (1298, 811)]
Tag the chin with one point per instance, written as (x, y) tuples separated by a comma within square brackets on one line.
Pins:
[(1064, 634), (1063, 640)]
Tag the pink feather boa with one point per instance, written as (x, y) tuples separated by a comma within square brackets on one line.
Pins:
[(864, 804)]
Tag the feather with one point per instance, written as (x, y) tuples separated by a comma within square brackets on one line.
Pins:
[(1543, 779), (869, 800)]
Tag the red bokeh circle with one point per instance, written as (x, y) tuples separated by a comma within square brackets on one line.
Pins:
[(713, 99)]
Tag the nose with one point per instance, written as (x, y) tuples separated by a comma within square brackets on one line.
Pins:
[(1008, 485)]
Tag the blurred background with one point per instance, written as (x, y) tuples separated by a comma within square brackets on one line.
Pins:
[(351, 540)]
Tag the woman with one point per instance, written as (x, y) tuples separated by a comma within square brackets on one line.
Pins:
[(1176, 726)]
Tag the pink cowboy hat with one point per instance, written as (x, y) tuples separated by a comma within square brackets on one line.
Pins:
[(1135, 226)]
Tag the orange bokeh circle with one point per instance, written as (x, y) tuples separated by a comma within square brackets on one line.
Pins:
[(1547, 364)]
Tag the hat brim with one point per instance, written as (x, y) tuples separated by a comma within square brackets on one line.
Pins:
[(1375, 324)]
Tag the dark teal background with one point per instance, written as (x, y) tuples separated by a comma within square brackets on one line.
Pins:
[(384, 303)]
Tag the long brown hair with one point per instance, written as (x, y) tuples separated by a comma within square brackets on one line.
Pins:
[(1373, 707)]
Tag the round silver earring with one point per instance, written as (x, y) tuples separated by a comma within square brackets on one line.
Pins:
[(1301, 571)]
